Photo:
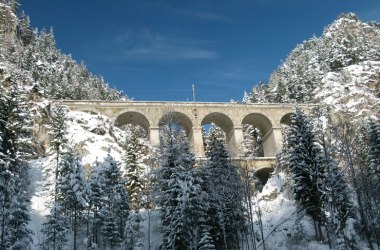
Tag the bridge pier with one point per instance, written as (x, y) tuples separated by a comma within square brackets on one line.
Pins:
[(272, 142), (197, 142), (154, 136), (236, 142)]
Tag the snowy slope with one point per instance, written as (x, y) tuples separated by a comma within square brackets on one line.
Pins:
[(279, 218), (91, 136)]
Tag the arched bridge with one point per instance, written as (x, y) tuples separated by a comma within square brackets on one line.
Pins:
[(193, 115)]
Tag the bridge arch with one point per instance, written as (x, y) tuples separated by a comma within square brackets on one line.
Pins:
[(183, 120), (219, 119), (286, 119), (259, 121), (264, 125), (225, 123), (135, 118)]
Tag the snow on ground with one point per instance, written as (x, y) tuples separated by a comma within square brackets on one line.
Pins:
[(91, 136), (279, 217)]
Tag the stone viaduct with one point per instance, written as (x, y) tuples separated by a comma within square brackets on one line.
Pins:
[(268, 118)]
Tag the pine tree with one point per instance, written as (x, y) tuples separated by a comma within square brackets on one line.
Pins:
[(18, 234), (115, 210), (96, 199), (25, 31), (223, 185), (176, 188), (373, 175), (337, 203), (206, 242), (252, 144), (373, 134), (69, 197), (133, 231), (55, 229), (15, 131), (134, 150), (76, 198), (307, 168), (214, 131), (58, 132)]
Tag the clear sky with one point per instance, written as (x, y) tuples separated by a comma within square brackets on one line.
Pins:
[(155, 50)]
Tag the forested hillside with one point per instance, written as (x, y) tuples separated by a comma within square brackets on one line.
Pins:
[(73, 180), (30, 57), (340, 65)]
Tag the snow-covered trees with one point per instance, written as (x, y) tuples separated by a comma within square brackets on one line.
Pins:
[(69, 202), (307, 168), (317, 183), (355, 154), (136, 181), (252, 144), (101, 204), (71, 186), (213, 131), (178, 189), (337, 202), (225, 212), (15, 140), (135, 151), (114, 210), (55, 229), (347, 41), (34, 52), (372, 134)]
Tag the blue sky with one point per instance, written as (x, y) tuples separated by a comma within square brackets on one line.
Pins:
[(155, 50)]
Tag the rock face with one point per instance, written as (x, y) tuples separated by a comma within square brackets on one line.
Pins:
[(354, 89)]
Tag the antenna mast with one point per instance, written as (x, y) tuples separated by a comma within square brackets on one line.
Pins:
[(193, 92)]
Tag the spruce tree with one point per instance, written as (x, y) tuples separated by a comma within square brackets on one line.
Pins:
[(214, 131), (373, 135), (373, 175), (15, 131), (115, 210), (134, 150), (176, 188), (133, 231), (75, 198), (252, 143), (307, 168), (206, 242), (337, 204), (225, 215), (55, 229), (96, 199), (58, 133), (70, 200)]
